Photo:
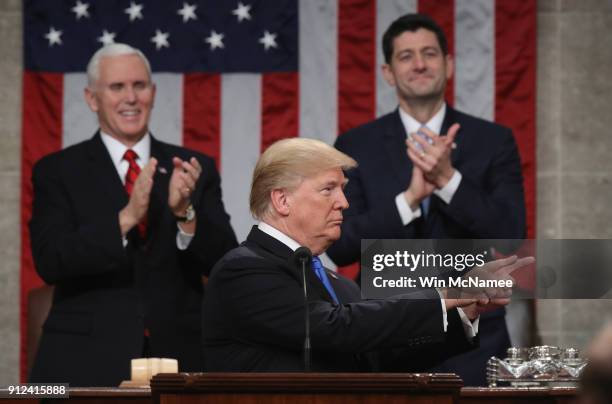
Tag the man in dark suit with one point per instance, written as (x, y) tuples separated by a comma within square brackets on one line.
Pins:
[(254, 305), (429, 171), (124, 226)]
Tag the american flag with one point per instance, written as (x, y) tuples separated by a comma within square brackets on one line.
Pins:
[(234, 76)]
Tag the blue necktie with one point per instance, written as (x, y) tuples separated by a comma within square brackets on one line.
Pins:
[(317, 267), (424, 202)]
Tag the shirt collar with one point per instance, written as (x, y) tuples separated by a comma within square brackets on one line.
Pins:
[(434, 124), (278, 235), (116, 149)]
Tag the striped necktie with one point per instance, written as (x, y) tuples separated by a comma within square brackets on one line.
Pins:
[(130, 178)]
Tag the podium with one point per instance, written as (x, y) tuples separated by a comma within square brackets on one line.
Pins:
[(303, 388)]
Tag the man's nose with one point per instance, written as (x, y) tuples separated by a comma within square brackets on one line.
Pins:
[(342, 201), (418, 62), (130, 94)]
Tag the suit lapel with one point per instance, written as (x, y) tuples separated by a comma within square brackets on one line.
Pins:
[(394, 138), (105, 174), (284, 255), (450, 118), (161, 181)]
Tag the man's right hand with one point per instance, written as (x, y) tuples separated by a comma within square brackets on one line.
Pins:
[(474, 300), (138, 205), (419, 188)]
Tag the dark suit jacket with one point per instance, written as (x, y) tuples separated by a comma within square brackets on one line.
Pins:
[(254, 319), (107, 294), (489, 202)]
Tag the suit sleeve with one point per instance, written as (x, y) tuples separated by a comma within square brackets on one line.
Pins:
[(415, 359), (214, 235), (62, 246), (266, 306), (496, 208)]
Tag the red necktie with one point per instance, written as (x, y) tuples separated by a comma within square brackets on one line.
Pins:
[(130, 178)]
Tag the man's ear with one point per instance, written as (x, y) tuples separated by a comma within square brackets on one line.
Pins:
[(154, 89), (280, 201), (388, 74), (450, 66), (90, 99)]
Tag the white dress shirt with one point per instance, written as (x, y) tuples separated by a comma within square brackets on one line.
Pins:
[(470, 329), (117, 150), (446, 193)]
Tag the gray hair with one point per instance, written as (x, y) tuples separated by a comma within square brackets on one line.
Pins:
[(286, 164), (113, 49)]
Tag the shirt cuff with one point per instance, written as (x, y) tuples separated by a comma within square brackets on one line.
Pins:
[(183, 239), (447, 192), (406, 213), (444, 315), (470, 328)]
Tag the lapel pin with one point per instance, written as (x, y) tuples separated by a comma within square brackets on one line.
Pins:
[(162, 170)]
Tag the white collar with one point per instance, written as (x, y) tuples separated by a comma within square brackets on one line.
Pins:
[(116, 149), (434, 124), (278, 235)]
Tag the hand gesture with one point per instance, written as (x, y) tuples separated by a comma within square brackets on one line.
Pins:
[(182, 184), (432, 156), (473, 300), (138, 205), (418, 189)]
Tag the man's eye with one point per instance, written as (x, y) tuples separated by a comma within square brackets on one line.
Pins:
[(116, 87), (140, 86)]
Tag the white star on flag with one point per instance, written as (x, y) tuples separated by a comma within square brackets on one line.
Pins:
[(242, 12), (188, 12), (160, 39), (54, 36), (107, 38), (215, 40), (80, 9), (134, 11), (268, 40)]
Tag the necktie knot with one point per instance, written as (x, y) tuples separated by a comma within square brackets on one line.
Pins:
[(130, 156)]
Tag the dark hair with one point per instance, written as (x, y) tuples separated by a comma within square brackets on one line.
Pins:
[(411, 22)]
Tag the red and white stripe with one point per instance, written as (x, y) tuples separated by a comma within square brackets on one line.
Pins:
[(233, 117)]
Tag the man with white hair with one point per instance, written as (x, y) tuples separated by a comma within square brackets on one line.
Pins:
[(124, 226), (254, 309)]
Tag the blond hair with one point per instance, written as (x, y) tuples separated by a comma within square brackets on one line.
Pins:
[(286, 163)]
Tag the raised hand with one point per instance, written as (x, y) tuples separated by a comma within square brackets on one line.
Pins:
[(474, 300), (418, 189), (433, 156), (138, 205), (182, 184)]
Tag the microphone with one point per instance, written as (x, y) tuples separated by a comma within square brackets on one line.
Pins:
[(302, 258)]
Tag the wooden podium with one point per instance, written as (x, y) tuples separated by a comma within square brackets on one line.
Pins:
[(302, 388)]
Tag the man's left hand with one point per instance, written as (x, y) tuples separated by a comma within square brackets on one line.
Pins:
[(434, 159), (182, 183)]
